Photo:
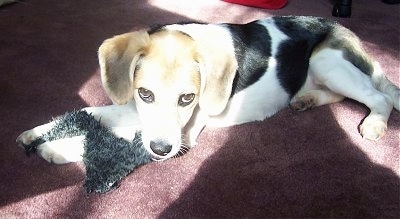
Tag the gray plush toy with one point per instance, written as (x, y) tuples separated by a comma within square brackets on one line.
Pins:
[(107, 158)]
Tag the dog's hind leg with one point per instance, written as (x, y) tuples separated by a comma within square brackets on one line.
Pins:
[(307, 99), (331, 70)]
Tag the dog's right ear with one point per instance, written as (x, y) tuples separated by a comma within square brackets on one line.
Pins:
[(118, 57)]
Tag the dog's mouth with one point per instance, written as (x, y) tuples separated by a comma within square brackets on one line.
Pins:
[(162, 158), (183, 150), (158, 159)]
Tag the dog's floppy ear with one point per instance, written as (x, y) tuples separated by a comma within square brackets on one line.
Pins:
[(118, 57), (217, 69)]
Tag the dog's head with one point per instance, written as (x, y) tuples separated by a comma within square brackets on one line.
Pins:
[(167, 73)]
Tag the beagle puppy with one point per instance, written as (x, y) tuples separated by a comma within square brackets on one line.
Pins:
[(173, 80)]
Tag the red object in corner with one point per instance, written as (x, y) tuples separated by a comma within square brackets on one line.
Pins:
[(267, 4)]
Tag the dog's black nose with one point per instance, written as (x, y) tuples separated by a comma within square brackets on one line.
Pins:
[(160, 148)]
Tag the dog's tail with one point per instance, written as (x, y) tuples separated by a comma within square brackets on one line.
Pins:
[(384, 85)]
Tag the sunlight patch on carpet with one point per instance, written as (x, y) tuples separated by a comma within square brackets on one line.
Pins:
[(92, 92)]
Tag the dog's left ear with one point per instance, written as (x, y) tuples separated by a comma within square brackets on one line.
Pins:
[(217, 70)]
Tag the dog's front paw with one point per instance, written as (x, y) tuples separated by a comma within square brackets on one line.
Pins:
[(62, 151), (373, 128), (27, 137)]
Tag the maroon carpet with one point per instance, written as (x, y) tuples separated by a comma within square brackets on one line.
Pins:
[(310, 164)]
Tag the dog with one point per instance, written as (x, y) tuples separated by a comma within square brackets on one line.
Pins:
[(173, 80)]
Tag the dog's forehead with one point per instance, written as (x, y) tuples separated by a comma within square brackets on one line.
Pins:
[(171, 43), (153, 72), (169, 61)]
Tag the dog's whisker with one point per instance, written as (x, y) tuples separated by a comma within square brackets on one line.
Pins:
[(184, 148)]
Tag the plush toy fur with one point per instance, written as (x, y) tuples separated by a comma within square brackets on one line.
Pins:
[(107, 158)]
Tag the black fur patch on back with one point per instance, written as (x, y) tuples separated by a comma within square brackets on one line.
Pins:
[(252, 45), (304, 33)]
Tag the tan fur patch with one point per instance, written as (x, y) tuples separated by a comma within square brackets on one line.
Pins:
[(169, 62), (217, 58)]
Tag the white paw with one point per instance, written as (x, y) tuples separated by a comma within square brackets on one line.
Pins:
[(373, 128), (62, 151), (27, 137)]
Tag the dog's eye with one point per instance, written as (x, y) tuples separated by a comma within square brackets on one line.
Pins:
[(186, 99), (146, 95)]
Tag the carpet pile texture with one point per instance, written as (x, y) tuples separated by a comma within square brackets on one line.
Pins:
[(295, 164)]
